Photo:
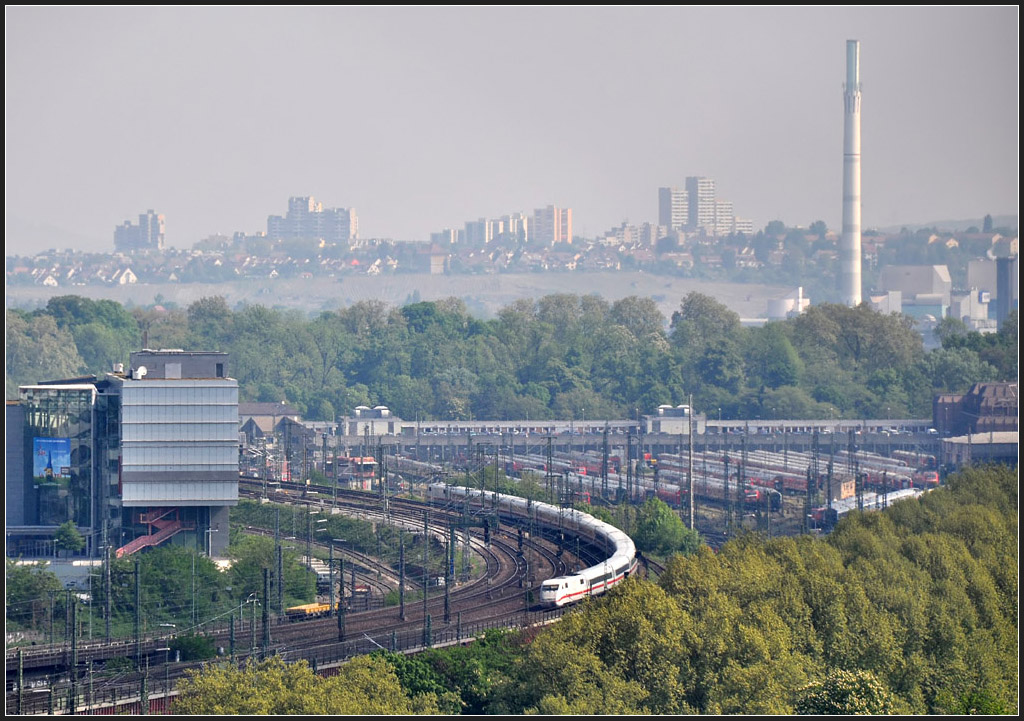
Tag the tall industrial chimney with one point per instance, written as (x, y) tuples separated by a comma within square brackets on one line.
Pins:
[(849, 248)]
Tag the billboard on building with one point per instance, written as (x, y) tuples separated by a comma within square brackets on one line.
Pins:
[(51, 459)]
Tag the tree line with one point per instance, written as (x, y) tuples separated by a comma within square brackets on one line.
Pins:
[(560, 356)]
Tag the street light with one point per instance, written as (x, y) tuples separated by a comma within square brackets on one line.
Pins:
[(167, 673), (209, 540), (341, 584)]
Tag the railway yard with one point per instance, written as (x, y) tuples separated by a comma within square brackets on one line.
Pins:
[(494, 559), (511, 557)]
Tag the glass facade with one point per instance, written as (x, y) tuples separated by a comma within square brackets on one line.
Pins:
[(59, 429), (124, 457)]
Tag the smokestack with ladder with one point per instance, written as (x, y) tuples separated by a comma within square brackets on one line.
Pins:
[(849, 247)]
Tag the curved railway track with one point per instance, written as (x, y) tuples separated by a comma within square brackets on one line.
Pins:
[(502, 588), (515, 559)]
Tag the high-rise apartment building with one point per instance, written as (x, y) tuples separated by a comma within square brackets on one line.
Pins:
[(743, 225), (552, 225), (516, 225), (147, 235), (701, 197), (307, 218), (445, 237), (725, 221), (477, 232), (673, 208)]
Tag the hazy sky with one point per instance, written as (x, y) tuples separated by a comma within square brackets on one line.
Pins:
[(424, 118)]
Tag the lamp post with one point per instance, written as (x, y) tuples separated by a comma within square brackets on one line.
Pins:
[(167, 673), (209, 540), (341, 586), (255, 601)]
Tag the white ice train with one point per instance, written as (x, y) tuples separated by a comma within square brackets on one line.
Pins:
[(620, 563)]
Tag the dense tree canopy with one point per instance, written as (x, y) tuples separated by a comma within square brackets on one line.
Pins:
[(365, 686), (562, 356)]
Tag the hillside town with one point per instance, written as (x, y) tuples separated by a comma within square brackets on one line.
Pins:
[(927, 273)]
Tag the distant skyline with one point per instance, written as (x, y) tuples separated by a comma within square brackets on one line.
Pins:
[(422, 118)]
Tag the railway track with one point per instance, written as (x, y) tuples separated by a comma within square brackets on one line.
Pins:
[(510, 572), (514, 557)]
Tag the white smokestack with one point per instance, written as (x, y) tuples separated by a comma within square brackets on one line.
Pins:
[(849, 246)]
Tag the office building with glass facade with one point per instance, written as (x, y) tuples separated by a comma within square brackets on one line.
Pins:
[(135, 459)]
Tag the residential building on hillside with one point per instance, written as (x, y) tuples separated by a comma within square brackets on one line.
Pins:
[(725, 221), (673, 208), (516, 225), (147, 235), (307, 218), (477, 232), (552, 225), (701, 196), (445, 237)]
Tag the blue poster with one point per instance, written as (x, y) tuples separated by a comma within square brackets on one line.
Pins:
[(51, 458)]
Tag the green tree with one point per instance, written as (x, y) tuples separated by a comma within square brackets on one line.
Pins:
[(162, 327), (67, 538), (721, 365), (846, 692), (701, 320), (209, 323), (640, 316), (27, 589), (481, 677), (950, 330), (37, 350), (364, 686), (251, 554), (193, 646), (104, 331), (659, 530), (956, 369), (771, 359)]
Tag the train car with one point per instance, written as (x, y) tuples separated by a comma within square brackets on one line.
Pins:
[(914, 459), (357, 471), (926, 479), (886, 481), (712, 491), (828, 517), (562, 590), (308, 610)]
